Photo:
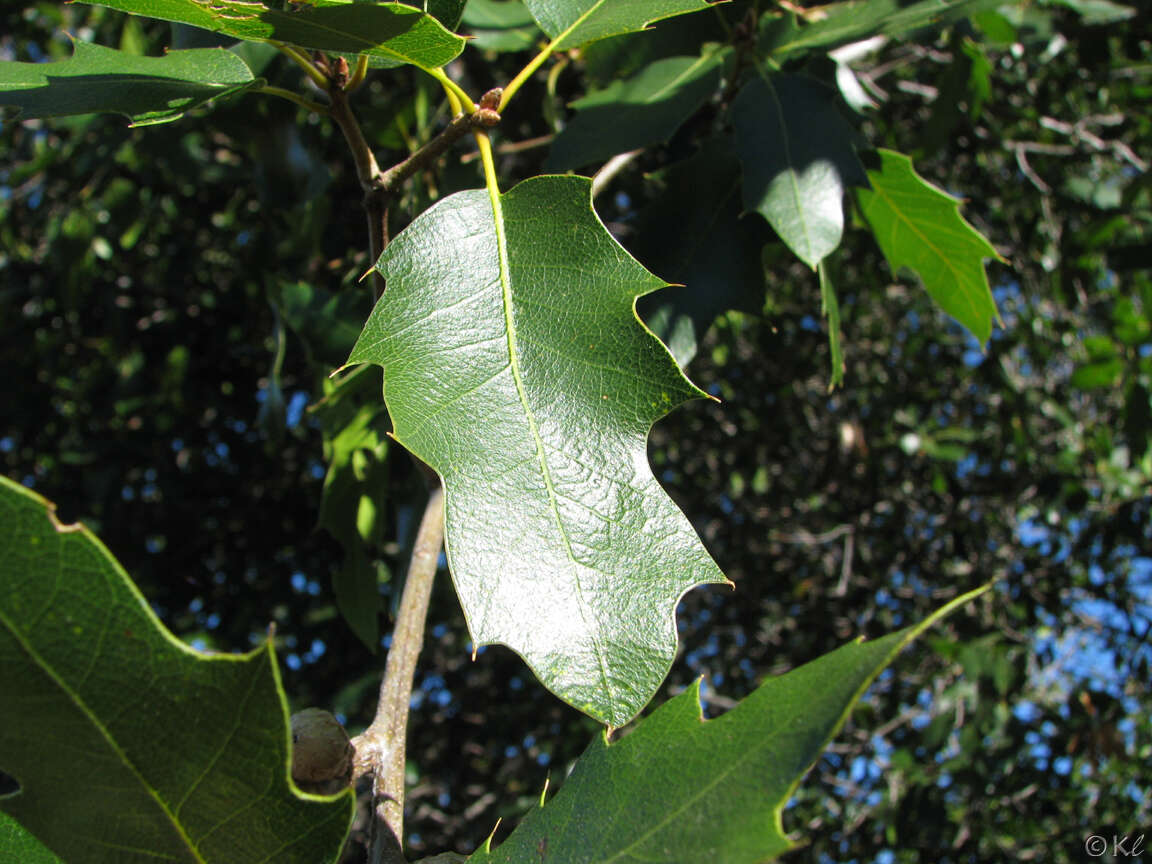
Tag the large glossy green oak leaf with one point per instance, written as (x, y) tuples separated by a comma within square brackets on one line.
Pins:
[(146, 90), (572, 23), (681, 790), (129, 746), (387, 31), (920, 227), (515, 366)]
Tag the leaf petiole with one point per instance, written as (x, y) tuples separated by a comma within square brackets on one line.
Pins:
[(457, 97), (484, 143), (301, 59), (526, 73), (358, 74), (294, 97)]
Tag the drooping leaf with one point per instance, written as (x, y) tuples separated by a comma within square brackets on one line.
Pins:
[(387, 31), (515, 366), (797, 153), (644, 110), (830, 309), (783, 34), (327, 322), (355, 429), (146, 90), (694, 233), (572, 23), (681, 789), (920, 227), (127, 745)]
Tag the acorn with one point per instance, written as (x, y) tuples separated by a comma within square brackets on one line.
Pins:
[(321, 752)]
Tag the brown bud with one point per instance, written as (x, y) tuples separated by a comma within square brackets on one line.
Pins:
[(340, 72), (321, 752), (491, 99)]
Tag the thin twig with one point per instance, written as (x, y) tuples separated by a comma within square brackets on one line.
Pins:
[(380, 186), (434, 149), (508, 148), (610, 169), (368, 172), (380, 749)]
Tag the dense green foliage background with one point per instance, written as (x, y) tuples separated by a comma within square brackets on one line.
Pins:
[(147, 277)]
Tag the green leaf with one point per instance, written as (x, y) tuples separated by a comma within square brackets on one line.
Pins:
[(387, 31), (920, 227), (644, 110), (515, 366), (146, 90), (127, 745), (355, 448), (797, 153), (572, 23), (1098, 375), (678, 788), (782, 35), (694, 233), (327, 322), (497, 14), (830, 309), (447, 12), (501, 25), (17, 846)]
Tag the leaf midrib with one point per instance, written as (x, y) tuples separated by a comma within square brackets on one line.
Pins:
[(538, 441), (48, 670)]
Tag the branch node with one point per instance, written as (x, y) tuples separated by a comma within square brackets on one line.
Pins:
[(486, 118)]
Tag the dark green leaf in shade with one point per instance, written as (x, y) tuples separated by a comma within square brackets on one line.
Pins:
[(515, 366), (920, 227), (798, 156), (497, 14), (327, 322), (782, 34), (129, 746), (644, 110), (1138, 418), (830, 308), (572, 23), (694, 233), (355, 427), (386, 31), (679, 789), (447, 12), (146, 90), (962, 87), (501, 25)]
